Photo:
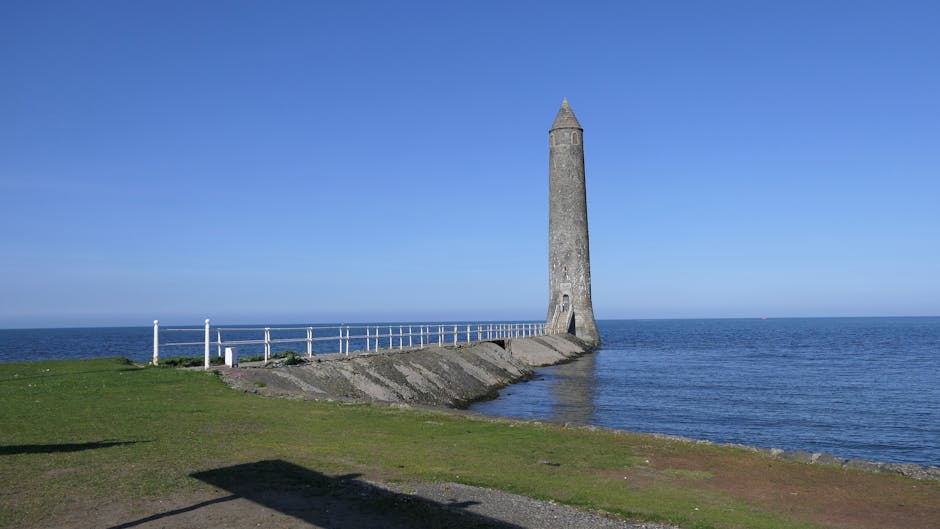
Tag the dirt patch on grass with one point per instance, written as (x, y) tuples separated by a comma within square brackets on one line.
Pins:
[(820, 494)]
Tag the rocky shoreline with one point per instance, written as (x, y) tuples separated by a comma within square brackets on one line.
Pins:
[(905, 469)]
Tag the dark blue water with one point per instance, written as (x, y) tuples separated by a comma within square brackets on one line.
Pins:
[(855, 387)]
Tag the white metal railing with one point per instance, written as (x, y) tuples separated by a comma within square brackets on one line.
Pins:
[(374, 337)]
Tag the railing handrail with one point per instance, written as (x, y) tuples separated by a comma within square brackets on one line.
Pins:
[(376, 340)]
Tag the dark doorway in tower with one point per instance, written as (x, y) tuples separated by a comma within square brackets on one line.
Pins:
[(567, 313)]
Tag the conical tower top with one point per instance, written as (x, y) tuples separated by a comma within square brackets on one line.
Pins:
[(565, 118)]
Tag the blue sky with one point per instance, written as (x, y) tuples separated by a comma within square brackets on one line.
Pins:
[(358, 161)]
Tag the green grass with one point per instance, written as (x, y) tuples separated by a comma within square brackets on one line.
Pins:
[(81, 432)]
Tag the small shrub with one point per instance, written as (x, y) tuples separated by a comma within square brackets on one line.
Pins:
[(261, 384), (287, 353), (181, 361), (294, 360)]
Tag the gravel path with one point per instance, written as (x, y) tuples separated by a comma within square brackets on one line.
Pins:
[(343, 502), (513, 510)]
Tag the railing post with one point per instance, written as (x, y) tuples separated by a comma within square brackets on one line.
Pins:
[(468, 333), (421, 335), (390, 346), (156, 342), (368, 339), (267, 344), (410, 337), (218, 342), (340, 338), (440, 335), (455, 335), (207, 344), (347, 339), (401, 334), (309, 342)]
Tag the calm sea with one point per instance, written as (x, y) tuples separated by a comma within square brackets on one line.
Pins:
[(864, 388)]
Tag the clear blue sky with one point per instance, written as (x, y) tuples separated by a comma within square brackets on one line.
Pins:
[(355, 161)]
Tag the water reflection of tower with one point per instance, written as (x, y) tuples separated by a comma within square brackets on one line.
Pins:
[(572, 391)]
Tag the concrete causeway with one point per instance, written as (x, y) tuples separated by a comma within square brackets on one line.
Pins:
[(450, 376)]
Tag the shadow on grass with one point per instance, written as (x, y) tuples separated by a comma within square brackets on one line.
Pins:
[(66, 447), (341, 502)]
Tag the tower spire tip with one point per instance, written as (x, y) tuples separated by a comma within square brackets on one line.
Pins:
[(565, 118)]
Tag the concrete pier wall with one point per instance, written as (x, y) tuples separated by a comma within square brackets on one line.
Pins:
[(449, 376)]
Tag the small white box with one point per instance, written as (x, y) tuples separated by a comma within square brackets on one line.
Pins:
[(231, 356)]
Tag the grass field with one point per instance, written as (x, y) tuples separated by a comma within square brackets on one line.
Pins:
[(75, 435)]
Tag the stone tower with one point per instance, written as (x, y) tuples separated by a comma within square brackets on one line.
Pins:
[(569, 262)]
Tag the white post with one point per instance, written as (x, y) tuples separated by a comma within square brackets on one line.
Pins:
[(468, 333), (410, 337), (440, 335), (341, 338), (401, 333), (368, 339), (455, 334), (376, 338), (207, 344), (218, 347), (156, 342), (421, 335), (267, 344), (309, 342), (390, 346), (347, 339)]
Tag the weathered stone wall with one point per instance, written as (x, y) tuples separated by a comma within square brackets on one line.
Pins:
[(451, 376)]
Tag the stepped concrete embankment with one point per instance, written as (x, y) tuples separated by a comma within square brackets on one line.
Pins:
[(450, 376)]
